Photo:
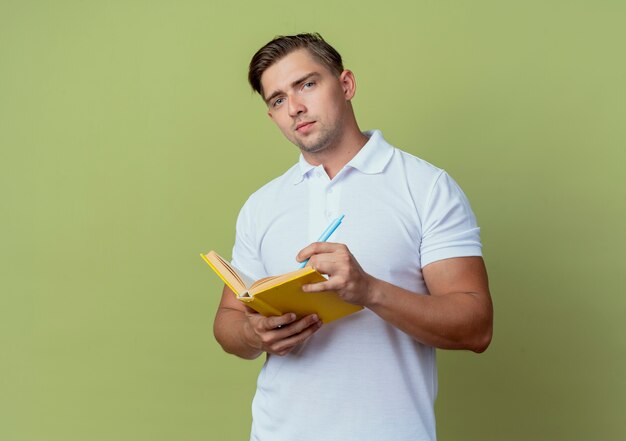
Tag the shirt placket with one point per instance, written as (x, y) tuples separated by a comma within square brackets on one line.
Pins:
[(324, 203)]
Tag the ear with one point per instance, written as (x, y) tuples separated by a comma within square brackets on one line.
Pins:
[(348, 84), (269, 113)]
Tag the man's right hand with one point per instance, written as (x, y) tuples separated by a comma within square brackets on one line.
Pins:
[(278, 335)]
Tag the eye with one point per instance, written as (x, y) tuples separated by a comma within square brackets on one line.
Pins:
[(308, 84), (277, 102)]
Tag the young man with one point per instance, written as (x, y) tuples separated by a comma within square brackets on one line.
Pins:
[(408, 251)]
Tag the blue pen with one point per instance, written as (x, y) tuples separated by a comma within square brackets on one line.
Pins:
[(326, 234)]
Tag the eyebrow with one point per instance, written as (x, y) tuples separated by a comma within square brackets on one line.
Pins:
[(293, 84)]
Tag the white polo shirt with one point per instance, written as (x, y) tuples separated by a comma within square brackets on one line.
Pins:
[(357, 378)]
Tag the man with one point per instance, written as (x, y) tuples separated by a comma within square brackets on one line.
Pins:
[(408, 251)]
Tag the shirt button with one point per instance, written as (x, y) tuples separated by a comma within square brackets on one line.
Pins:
[(330, 191)]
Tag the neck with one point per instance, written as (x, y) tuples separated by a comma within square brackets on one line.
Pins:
[(337, 156)]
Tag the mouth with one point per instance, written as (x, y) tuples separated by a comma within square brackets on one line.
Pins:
[(304, 126)]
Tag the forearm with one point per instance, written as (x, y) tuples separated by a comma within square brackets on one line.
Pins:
[(457, 314), (457, 320), (232, 331)]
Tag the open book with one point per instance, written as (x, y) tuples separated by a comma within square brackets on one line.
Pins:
[(279, 295)]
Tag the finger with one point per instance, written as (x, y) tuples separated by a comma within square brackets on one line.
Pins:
[(270, 338), (278, 335), (323, 264), (273, 322), (317, 248), (284, 346), (297, 326), (318, 287)]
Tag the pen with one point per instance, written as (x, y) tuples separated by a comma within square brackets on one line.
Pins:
[(326, 234)]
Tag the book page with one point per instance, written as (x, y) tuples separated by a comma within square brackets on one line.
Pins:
[(267, 282), (227, 273), (262, 281), (247, 281)]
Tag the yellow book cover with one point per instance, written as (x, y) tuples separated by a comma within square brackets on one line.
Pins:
[(281, 294)]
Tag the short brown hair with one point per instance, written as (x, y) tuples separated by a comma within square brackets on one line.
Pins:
[(285, 44)]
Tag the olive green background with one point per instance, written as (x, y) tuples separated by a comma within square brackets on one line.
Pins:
[(129, 140)]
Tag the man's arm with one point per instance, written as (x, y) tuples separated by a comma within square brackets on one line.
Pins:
[(458, 313), (247, 334)]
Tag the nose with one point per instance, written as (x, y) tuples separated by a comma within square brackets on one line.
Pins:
[(295, 106)]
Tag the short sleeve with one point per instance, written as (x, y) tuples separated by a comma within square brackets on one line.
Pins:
[(246, 256), (449, 226)]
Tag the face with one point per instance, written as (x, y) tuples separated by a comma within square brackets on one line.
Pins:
[(308, 103)]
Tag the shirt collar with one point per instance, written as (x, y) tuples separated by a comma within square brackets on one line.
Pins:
[(304, 168), (371, 159), (374, 156)]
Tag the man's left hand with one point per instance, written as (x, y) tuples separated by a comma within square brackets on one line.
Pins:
[(346, 276)]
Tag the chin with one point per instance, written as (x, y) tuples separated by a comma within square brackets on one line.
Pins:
[(311, 148), (314, 145)]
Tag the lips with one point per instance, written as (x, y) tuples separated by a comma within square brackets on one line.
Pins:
[(304, 125)]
